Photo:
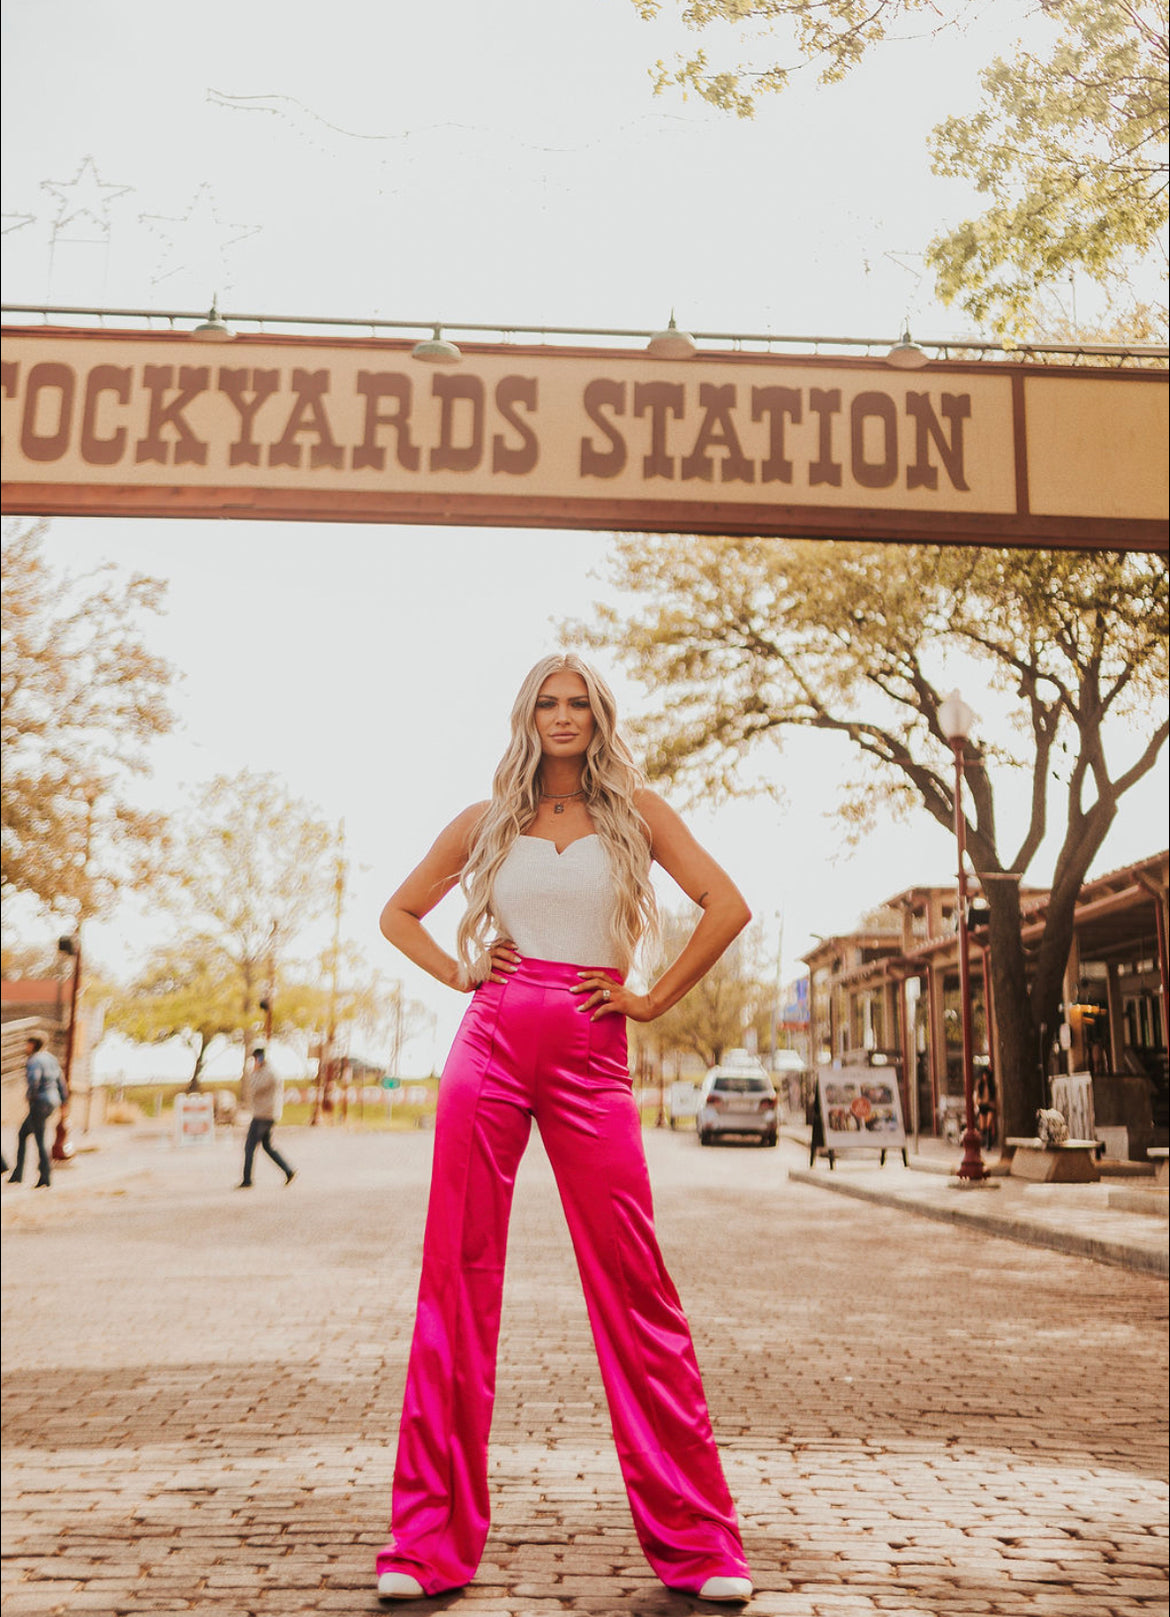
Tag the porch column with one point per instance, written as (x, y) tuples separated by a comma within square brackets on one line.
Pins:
[(1116, 1018), (937, 1035), (1071, 1058)]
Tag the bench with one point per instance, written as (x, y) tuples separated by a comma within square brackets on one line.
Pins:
[(1160, 1154), (1073, 1163)]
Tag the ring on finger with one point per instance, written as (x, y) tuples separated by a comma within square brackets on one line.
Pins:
[(605, 994)]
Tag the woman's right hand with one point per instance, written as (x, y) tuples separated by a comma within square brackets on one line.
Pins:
[(497, 963)]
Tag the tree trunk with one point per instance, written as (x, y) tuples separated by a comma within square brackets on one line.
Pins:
[(195, 1086), (1018, 1070)]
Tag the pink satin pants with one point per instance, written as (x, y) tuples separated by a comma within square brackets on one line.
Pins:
[(525, 1049)]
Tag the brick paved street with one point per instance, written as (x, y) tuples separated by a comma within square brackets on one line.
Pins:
[(201, 1390)]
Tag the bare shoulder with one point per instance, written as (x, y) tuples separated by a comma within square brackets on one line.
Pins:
[(462, 829), (661, 820), (470, 817)]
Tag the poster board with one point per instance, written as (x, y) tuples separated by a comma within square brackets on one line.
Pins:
[(194, 1120), (861, 1110)]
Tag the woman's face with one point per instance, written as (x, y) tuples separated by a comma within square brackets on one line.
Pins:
[(564, 718)]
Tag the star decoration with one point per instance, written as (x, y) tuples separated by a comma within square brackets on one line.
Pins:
[(84, 198), (197, 241)]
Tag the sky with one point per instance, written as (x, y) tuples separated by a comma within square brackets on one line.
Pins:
[(462, 162)]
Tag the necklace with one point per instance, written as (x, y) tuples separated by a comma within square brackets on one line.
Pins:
[(559, 799)]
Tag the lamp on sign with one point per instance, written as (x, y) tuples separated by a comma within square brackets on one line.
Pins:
[(906, 355), (671, 343), (436, 350), (213, 329)]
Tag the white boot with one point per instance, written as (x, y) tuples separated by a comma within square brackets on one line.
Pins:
[(399, 1586), (731, 1589)]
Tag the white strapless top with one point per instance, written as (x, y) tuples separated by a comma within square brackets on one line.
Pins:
[(557, 906)]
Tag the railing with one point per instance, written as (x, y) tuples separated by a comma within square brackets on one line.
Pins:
[(12, 1041), (964, 348)]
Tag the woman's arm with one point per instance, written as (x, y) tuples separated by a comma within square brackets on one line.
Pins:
[(725, 914), (428, 883)]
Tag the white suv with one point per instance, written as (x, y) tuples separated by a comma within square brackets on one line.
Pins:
[(738, 1098)]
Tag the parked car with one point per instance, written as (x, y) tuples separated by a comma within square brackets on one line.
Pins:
[(738, 1098)]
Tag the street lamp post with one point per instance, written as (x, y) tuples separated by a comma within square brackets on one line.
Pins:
[(955, 720)]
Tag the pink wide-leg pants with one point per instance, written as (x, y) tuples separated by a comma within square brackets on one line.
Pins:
[(525, 1049)]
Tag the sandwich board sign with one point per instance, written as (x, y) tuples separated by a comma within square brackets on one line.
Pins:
[(860, 1110), (195, 1119)]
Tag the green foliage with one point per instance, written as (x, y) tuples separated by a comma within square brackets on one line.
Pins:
[(833, 35), (743, 640), (191, 991), (82, 700), (255, 871), (1070, 147), (718, 1012), (196, 991)]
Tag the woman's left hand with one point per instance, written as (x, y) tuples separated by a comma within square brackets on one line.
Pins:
[(602, 996)]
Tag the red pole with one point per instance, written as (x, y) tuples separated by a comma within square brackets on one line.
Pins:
[(971, 1168), (62, 1148)]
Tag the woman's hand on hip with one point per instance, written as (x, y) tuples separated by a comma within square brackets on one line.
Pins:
[(602, 996), (495, 965)]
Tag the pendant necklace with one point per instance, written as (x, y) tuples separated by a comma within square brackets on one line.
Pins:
[(558, 800)]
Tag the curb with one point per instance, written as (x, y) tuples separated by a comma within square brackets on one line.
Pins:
[(1101, 1250)]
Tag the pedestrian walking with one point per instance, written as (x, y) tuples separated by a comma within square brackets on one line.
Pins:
[(555, 870), (45, 1090), (264, 1096)]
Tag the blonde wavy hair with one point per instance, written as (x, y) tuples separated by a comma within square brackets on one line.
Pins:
[(609, 778)]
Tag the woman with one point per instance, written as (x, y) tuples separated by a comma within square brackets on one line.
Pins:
[(555, 869), (985, 1102)]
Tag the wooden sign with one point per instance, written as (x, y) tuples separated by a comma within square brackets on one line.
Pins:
[(304, 428)]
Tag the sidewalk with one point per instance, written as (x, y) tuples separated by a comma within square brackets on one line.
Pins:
[(1107, 1221)]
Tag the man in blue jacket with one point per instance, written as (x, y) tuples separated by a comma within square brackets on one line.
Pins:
[(45, 1085)]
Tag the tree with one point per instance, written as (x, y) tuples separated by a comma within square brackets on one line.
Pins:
[(359, 1000), (254, 873), (189, 991), (82, 699), (19, 961), (832, 35), (195, 991), (717, 1014), (745, 639), (1070, 143), (1071, 148)]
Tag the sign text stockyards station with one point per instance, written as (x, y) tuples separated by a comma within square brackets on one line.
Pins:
[(137, 423)]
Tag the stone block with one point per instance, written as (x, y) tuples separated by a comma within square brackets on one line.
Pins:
[(1074, 1163)]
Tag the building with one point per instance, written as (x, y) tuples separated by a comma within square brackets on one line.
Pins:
[(888, 995), (41, 1006)]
